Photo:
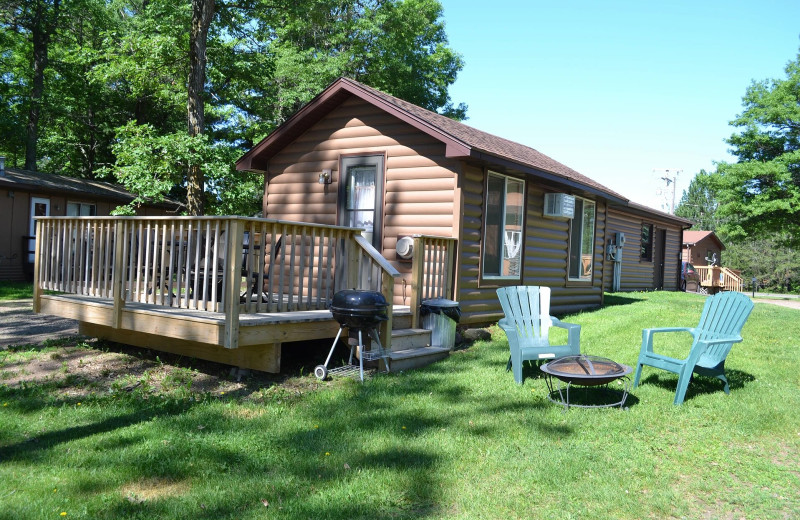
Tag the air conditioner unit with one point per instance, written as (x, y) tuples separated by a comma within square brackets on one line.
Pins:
[(559, 205)]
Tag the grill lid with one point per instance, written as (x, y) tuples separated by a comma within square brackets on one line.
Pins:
[(351, 300), (359, 309)]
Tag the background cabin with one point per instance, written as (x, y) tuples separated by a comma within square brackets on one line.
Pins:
[(702, 248), (27, 194), (650, 258)]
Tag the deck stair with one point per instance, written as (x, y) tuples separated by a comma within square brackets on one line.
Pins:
[(411, 349)]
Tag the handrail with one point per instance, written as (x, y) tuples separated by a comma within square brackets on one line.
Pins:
[(385, 282), (229, 265), (715, 276)]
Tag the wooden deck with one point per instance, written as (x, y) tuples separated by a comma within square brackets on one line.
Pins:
[(226, 289), (714, 279), (200, 334)]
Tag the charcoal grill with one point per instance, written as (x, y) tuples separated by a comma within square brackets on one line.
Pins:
[(360, 312), (585, 371)]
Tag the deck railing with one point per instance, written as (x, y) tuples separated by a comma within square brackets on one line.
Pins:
[(433, 268), (723, 277), (231, 265)]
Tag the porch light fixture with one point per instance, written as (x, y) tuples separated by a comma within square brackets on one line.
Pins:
[(325, 177)]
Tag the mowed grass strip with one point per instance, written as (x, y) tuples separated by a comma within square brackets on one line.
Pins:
[(458, 439)]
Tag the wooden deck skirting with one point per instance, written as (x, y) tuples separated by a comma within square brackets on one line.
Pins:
[(226, 289), (198, 334)]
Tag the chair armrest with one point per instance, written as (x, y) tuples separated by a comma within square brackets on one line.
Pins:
[(703, 344), (647, 335), (562, 324), (573, 333), (506, 325)]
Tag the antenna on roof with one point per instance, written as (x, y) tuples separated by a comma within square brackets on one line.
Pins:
[(670, 177)]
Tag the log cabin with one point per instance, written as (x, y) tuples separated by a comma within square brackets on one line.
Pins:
[(362, 191)]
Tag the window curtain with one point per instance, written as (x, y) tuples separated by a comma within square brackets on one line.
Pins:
[(362, 199)]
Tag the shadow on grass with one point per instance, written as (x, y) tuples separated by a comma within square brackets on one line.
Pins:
[(699, 384), (612, 300), (44, 441)]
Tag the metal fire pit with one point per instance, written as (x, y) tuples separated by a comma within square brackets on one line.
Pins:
[(360, 312), (585, 371)]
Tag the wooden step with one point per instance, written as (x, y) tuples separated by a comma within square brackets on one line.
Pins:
[(404, 339), (401, 360)]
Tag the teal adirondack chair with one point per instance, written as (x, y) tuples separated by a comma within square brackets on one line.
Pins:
[(527, 324), (720, 326)]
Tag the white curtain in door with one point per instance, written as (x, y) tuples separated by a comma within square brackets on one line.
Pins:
[(362, 204)]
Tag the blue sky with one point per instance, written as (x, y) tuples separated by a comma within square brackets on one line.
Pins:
[(618, 90)]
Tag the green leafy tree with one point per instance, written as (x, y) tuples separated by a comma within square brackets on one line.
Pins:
[(699, 203), (36, 22), (399, 47), (125, 77), (760, 194)]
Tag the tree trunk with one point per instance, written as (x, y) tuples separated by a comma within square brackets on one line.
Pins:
[(41, 27), (202, 14)]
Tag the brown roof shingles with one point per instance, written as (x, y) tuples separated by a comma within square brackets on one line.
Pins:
[(50, 182), (471, 141), (488, 143)]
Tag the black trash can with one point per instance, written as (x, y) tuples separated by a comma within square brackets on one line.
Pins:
[(440, 316)]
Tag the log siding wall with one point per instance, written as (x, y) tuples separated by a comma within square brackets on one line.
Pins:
[(544, 260), (420, 191), (639, 275)]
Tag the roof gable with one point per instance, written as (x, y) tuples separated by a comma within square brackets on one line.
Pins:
[(691, 238), (461, 141)]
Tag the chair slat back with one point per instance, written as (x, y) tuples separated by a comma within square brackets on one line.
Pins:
[(528, 307), (724, 314)]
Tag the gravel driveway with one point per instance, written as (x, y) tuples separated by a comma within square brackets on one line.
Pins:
[(20, 326)]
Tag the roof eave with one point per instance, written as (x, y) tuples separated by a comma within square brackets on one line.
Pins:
[(530, 170)]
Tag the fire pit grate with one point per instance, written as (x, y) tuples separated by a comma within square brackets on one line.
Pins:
[(585, 371)]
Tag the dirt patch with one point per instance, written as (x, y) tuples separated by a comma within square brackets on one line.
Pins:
[(154, 489), (77, 368)]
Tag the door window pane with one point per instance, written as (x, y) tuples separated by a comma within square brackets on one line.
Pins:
[(361, 184)]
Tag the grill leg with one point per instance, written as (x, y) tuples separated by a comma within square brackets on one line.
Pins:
[(361, 356)]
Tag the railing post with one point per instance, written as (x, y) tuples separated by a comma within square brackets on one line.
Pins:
[(117, 276), (37, 253), (417, 278), (387, 283), (450, 269), (353, 262), (233, 281)]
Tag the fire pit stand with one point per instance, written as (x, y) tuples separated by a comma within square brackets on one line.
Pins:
[(585, 371)]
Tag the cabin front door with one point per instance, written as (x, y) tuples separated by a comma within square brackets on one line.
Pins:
[(39, 208), (361, 196)]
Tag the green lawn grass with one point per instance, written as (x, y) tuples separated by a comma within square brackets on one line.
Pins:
[(15, 290), (458, 439)]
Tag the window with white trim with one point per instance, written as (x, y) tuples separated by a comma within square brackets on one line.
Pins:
[(503, 234), (80, 209), (581, 241)]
